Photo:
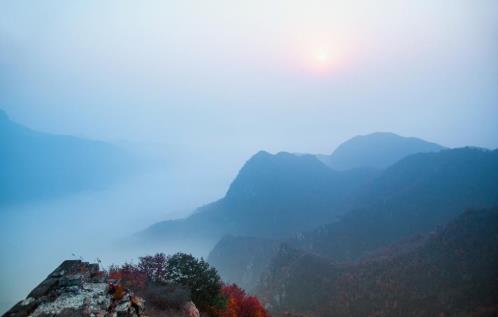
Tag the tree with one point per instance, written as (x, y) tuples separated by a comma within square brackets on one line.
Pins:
[(154, 266), (129, 275), (202, 280), (169, 281), (238, 304)]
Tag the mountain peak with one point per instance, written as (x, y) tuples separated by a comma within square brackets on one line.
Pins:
[(260, 154), (377, 150), (264, 169)]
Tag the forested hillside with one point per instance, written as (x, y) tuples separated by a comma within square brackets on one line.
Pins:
[(451, 273), (414, 196)]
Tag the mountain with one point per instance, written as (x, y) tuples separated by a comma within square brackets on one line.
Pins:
[(267, 199), (36, 165), (414, 196), (376, 150), (270, 193), (248, 258), (452, 272)]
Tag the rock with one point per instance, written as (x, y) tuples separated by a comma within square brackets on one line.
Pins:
[(190, 309), (75, 288), (22, 308), (44, 288), (71, 280), (80, 289)]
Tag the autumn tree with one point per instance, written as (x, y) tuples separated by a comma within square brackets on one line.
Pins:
[(168, 281), (238, 304), (129, 275)]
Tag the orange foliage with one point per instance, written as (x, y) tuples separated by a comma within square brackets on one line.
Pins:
[(129, 277), (239, 304)]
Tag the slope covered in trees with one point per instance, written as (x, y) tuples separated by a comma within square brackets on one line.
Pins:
[(242, 260), (451, 273), (414, 196)]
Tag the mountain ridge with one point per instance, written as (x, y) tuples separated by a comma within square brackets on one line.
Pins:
[(38, 165), (414, 196), (450, 273), (376, 150), (268, 187)]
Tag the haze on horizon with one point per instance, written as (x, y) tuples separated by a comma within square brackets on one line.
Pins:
[(227, 79)]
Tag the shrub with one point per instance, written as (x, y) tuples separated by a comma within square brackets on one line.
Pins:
[(202, 280), (165, 296), (129, 276), (239, 304), (154, 266), (169, 281)]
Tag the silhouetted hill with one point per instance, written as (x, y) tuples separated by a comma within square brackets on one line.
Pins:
[(413, 196), (36, 165), (452, 273), (376, 150), (273, 196)]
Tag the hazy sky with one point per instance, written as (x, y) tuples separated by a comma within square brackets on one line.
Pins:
[(227, 78)]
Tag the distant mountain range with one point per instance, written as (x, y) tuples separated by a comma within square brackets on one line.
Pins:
[(36, 165), (338, 211), (450, 272), (414, 196), (376, 150), (275, 196), (267, 199), (377, 228)]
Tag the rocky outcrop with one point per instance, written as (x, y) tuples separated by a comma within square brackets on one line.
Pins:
[(78, 288), (190, 309)]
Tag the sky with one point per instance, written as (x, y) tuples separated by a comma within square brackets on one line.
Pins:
[(233, 77), (220, 80)]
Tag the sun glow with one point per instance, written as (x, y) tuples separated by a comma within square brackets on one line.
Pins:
[(322, 56), (325, 54), (322, 60)]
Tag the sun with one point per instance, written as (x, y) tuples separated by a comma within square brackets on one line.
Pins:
[(321, 60), (322, 56)]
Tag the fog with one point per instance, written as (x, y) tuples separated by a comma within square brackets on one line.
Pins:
[(37, 237), (206, 85)]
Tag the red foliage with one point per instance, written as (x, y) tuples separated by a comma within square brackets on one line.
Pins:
[(239, 304), (129, 277), (115, 275)]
